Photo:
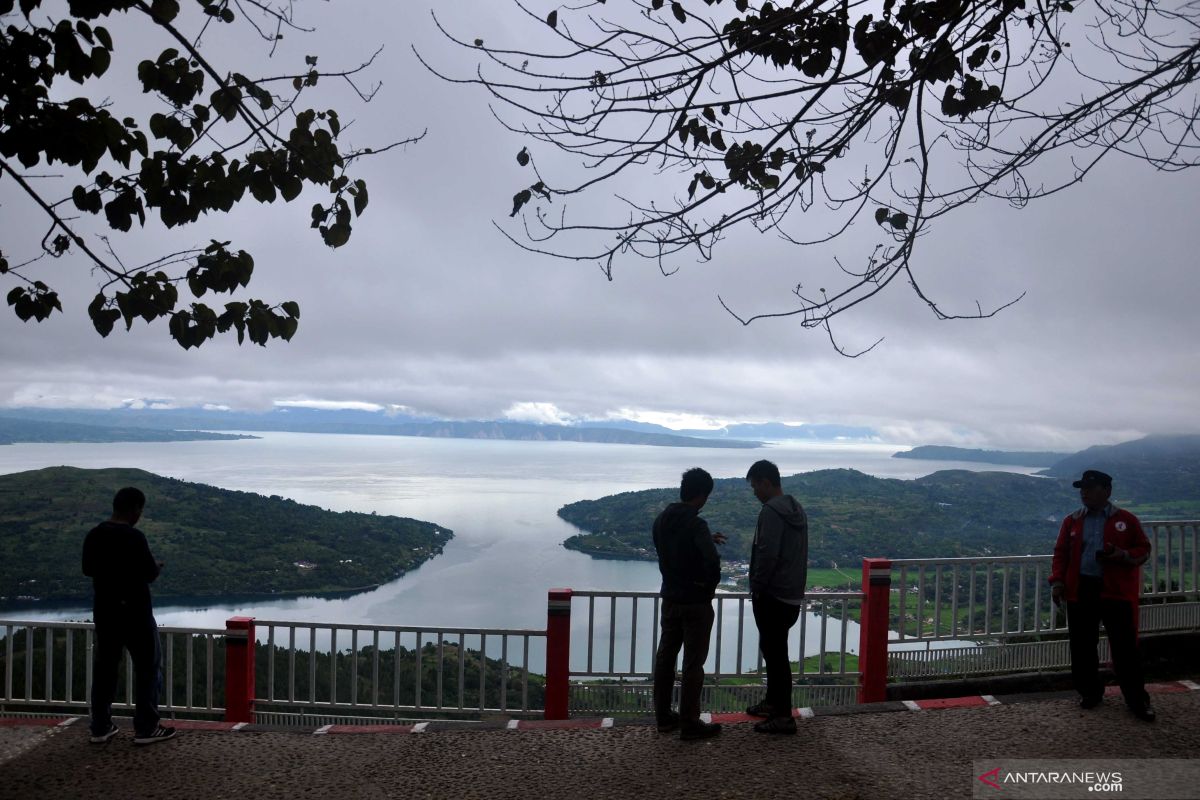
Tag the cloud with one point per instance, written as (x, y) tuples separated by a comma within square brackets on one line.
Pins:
[(540, 413), (428, 310)]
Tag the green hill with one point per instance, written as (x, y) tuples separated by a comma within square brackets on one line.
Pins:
[(215, 542), (851, 515), (1155, 470)]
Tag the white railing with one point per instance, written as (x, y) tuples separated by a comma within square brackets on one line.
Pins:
[(332, 669), (1007, 597), (615, 635), (1000, 609), (48, 665)]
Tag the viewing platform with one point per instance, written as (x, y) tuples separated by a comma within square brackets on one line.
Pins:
[(876, 750)]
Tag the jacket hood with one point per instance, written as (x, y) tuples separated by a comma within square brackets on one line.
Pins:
[(787, 507), (678, 513)]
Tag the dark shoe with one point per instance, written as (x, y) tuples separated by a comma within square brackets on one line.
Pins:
[(1091, 702), (161, 734), (781, 725), (704, 730), (763, 709), (1144, 712), (668, 723), (102, 738)]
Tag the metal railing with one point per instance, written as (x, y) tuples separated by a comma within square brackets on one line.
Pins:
[(1008, 597), (614, 638), (1000, 609), (48, 665), (381, 670)]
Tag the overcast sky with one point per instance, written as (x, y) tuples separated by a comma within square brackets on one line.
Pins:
[(429, 308)]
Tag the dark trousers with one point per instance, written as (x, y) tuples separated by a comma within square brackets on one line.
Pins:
[(774, 619), (1084, 617), (685, 625), (140, 638)]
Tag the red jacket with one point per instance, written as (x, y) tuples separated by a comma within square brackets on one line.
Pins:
[(1122, 573)]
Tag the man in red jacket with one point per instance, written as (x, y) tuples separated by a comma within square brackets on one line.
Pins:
[(1097, 571)]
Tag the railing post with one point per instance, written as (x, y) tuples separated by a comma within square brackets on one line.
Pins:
[(873, 630), (558, 653), (239, 669)]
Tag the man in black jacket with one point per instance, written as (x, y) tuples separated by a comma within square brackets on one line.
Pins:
[(117, 558), (691, 570)]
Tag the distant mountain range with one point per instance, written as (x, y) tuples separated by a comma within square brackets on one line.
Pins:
[(122, 425)]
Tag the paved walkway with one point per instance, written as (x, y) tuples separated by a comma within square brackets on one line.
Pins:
[(881, 751)]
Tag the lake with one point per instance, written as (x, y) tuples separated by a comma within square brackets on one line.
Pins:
[(499, 497)]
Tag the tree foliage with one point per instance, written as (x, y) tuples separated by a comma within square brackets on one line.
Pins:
[(803, 118), (216, 138)]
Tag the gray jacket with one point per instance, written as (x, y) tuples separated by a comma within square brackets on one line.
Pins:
[(779, 556)]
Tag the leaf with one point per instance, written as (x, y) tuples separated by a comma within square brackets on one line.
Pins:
[(899, 220), (520, 199), (552, 18), (523, 156), (881, 214), (680, 14), (291, 308)]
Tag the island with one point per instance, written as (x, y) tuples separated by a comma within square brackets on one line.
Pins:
[(1015, 458), (215, 542)]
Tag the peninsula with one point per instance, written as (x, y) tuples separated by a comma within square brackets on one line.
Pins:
[(215, 542)]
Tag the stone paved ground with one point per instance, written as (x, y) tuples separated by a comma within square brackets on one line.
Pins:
[(922, 754)]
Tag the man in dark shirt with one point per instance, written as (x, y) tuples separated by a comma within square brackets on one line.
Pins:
[(118, 560), (691, 570)]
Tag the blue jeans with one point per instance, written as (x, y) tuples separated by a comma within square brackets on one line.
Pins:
[(140, 637)]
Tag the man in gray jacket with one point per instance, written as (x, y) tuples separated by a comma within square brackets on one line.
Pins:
[(778, 573)]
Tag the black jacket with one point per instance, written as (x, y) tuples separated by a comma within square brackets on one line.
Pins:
[(687, 557), (118, 560)]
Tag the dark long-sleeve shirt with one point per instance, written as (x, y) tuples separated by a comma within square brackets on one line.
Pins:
[(687, 557), (117, 558)]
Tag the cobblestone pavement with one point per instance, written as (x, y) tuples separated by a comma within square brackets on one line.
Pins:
[(838, 754)]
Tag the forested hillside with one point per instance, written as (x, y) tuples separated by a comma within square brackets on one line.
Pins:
[(215, 542)]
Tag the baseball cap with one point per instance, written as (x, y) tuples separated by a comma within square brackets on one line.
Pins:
[(1093, 477)]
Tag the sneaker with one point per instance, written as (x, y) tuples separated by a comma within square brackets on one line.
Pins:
[(668, 723), (763, 709), (780, 725), (161, 734), (703, 730), (102, 738), (1144, 712)]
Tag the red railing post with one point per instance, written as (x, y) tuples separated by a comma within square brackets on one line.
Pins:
[(239, 669), (873, 630), (558, 653)]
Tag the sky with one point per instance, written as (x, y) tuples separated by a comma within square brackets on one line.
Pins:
[(430, 309)]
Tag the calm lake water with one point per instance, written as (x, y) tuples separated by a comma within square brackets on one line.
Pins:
[(499, 497)]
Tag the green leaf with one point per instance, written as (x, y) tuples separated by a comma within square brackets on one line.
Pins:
[(164, 11)]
